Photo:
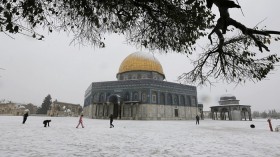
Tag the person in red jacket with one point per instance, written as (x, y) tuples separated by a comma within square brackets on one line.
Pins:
[(80, 121), (269, 123)]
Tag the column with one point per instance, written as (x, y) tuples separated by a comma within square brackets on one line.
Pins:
[(250, 116), (136, 114), (158, 98), (119, 110), (229, 114), (103, 112), (131, 110)]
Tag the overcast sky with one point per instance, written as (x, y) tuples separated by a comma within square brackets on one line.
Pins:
[(34, 69)]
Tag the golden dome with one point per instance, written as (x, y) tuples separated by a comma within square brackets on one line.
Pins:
[(140, 61)]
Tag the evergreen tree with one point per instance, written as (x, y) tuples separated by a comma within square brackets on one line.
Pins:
[(45, 105), (264, 114), (273, 113), (256, 114)]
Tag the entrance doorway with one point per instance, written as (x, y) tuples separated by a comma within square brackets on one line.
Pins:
[(115, 106), (176, 112)]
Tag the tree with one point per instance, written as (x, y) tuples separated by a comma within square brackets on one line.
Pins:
[(264, 114), (273, 113), (234, 59), (255, 114), (160, 24), (165, 25), (45, 105)]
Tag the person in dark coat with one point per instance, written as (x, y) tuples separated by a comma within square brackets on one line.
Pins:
[(111, 120), (197, 120), (25, 117)]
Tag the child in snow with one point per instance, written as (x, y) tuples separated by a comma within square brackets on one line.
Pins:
[(80, 121)]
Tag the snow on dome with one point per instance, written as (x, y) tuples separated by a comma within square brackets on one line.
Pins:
[(228, 97), (140, 61), (21, 107)]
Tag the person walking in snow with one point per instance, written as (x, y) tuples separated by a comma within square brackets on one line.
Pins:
[(111, 120), (80, 121), (25, 117), (197, 120), (269, 123)]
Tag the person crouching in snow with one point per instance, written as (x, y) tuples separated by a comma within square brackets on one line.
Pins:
[(80, 121)]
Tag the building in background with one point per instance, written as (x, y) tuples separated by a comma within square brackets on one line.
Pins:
[(61, 109), (17, 109), (207, 115), (141, 93), (31, 108), (229, 109), (200, 111)]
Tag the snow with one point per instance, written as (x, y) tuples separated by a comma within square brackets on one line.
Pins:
[(136, 138), (145, 55)]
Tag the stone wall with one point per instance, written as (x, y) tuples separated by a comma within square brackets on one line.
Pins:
[(17, 109), (141, 112)]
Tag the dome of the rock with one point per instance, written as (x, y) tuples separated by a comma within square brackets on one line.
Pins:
[(140, 61)]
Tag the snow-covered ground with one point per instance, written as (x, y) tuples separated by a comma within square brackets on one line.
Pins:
[(136, 138)]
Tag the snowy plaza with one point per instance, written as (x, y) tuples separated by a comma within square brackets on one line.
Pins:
[(136, 138)]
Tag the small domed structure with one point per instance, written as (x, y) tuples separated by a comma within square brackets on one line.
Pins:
[(229, 108)]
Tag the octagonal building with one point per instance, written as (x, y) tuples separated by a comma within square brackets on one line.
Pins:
[(140, 93)]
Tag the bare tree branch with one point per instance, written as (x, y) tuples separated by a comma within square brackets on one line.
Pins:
[(231, 60)]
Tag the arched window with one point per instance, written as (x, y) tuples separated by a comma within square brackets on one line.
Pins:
[(154, 97), (193, 101), (94, 98), (188, 101), (176, 100), (134, 77), (127, 96), (144, 97), (169, 99), (144, 76), (135, 96), (162, 98), (107, 96), (125, 77), (182, 100), (101, 97)]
